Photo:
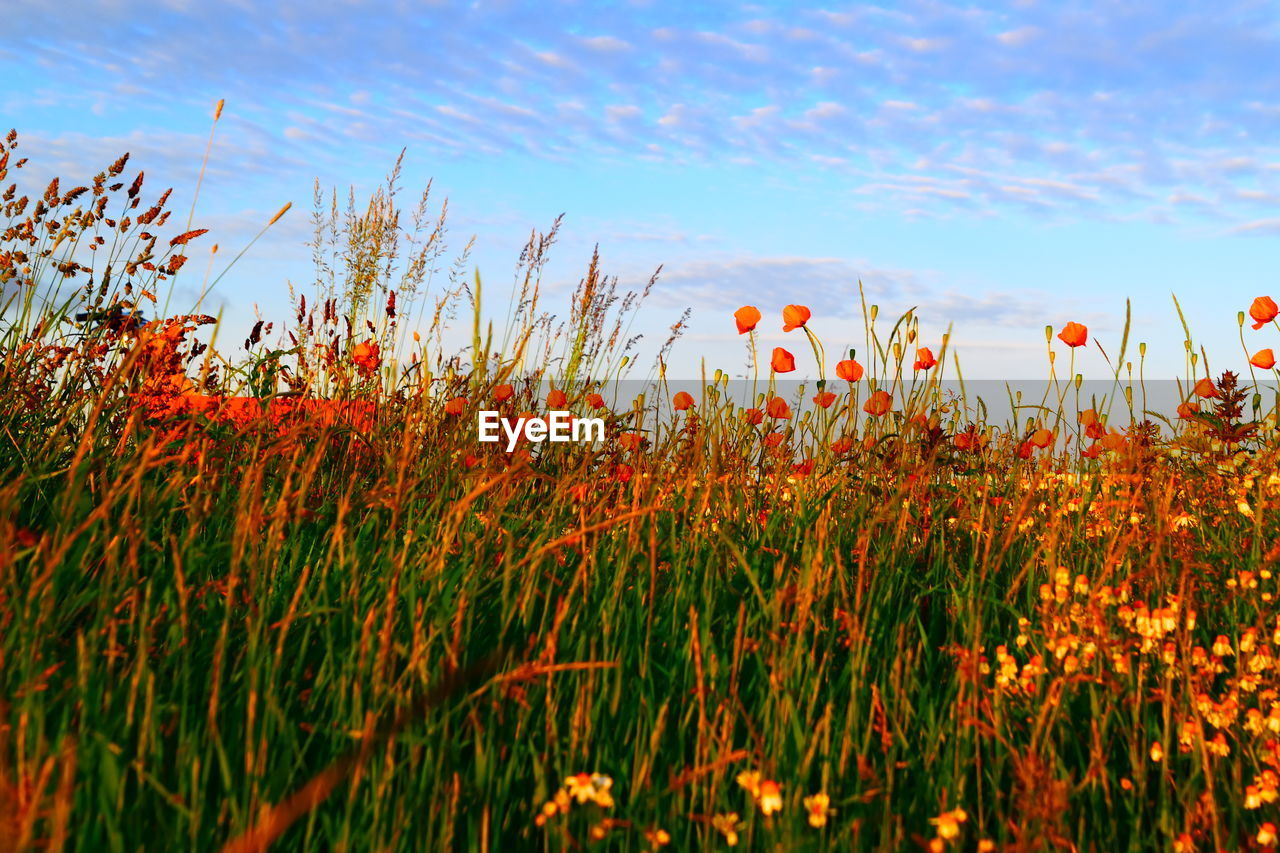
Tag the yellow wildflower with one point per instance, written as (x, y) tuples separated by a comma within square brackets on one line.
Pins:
[(727, 825), (770, 797), (948, 823), (818, 809)]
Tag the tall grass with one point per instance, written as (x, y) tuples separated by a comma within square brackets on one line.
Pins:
[(284, 596)]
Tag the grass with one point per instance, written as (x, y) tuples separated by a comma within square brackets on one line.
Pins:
[(284, 596)]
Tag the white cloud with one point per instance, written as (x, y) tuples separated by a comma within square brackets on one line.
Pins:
[(1018, 37), (1259, 226), (607, 44)]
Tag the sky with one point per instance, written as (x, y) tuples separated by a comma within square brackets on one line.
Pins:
[(999, 167)]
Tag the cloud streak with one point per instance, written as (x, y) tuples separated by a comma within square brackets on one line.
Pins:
[(1122, 107)]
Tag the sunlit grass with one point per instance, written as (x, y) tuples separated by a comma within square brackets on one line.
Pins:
[(279, 591)]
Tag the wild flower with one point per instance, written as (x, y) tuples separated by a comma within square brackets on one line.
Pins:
[(1263, 311), (878, 404), (746, 318), (728, 825), (948, 823), (782, 361), (365, 356), (817, 807), (1074, 335), (794, 317), (849, 370)]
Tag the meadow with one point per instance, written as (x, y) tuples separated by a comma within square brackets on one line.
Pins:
[(274, 593)]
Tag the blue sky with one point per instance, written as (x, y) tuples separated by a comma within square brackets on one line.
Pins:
[(1002, 167)]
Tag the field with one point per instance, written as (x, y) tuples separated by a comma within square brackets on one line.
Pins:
[(277, 594)]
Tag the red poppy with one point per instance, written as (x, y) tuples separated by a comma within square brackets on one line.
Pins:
[(746, 317), (794, 316), (683, 400), (456, 406), (879, 403), (1093, 451), (365, 356), (556, 399), (1024, 450), (778, 408), (503, 392), (773, 439), (824, 399), (1189, 408), (924, 359), (1264, 358), (803, 468), (1093, 427), (595, 401), (470, 460), (1205, 388), (1113, 440), (1263, 311), (849, 370), (842, 446), (753, 416), (623, 472), (1074, 335), (970, 439), (630, 440), (783, 361)]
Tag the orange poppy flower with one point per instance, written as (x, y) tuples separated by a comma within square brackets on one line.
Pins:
[(803, 468), (503, 392), (1074, 335), (849, 370), (1264, 358), (783, 361), (456, 406), (1093, 427), (753, 416), (824, 399), (1113, 440), (924, 359), (683, 400), (1205, 388), (971, 440), (1093, 451), (365, 356), (746, 317), (595, 401), (1263, 311), (1041, 438), (630, 440), (778, 408), (1024, 450), (1189, 408), (773, 439), (794, 316), (879, 403), (556, 399), (842, 446), (623, 472)]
